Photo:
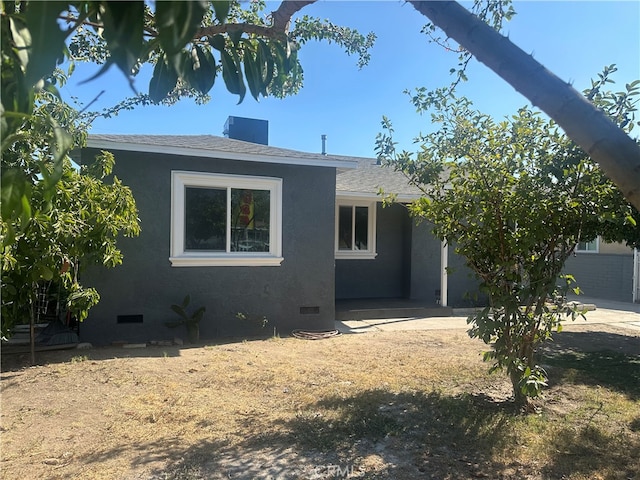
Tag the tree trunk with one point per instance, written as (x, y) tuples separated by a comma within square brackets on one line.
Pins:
[(519, 398), (32, 330), (616, 153)]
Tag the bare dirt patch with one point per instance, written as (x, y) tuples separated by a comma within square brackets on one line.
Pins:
[(384, 405)]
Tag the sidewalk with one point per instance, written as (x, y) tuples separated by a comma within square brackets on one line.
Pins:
[(619, 314)]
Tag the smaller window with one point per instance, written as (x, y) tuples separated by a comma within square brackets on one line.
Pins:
[(588, 247), (355, 229)]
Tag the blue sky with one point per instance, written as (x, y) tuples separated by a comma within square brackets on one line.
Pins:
[(572, 39)]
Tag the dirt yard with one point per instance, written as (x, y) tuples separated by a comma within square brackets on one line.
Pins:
[(384, 405)]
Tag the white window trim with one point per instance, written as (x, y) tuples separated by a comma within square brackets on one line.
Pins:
[(368, 254), (181, 258), (597, 250)]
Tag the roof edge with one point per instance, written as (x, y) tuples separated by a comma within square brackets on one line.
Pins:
[(327, 161), (400, 197)]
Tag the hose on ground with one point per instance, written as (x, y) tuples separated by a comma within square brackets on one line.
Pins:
[(315, 334)]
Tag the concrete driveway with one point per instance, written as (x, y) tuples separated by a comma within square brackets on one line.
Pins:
[(619, 314)]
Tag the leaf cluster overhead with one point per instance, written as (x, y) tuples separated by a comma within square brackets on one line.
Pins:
[(189, 43)]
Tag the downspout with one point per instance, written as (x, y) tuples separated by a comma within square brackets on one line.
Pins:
[(636, 275), (444, 279)]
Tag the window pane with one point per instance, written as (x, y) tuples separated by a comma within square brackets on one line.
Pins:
[(591, 246), (362, 227), (250, 220), (205, 219), (344, 228)]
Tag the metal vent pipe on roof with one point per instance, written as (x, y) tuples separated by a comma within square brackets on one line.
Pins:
[(324, 144)]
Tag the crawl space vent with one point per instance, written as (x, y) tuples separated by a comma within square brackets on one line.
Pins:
[(129, 319), (309, 310)]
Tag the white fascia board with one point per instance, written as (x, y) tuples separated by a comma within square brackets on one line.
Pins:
[(401, 198), (220, 154)]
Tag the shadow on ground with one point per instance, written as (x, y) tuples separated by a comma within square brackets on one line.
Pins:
[(378, 434), (402, 435), (595, 358), (590, 452), (14, 361), (375, 434)]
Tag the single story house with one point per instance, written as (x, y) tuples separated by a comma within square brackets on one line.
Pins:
[(256, 232)]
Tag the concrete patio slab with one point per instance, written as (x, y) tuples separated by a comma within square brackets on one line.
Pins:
[(619, 314)]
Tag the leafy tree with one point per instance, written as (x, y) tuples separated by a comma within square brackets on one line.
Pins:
[(68, 223), (515, 197)]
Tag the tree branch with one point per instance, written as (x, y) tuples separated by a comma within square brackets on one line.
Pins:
[(617, 154), (280, 23), (260, 30), (281, 18)]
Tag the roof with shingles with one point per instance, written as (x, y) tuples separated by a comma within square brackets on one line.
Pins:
[(216, 147), (356, 176), (369, 178)]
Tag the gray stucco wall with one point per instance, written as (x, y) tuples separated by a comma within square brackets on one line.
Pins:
[(425, 263), (605, 276), (146, 284), (462, 286), (385, 276), (407, 265)]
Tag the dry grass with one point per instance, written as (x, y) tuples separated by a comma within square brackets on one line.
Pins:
[(397, 405)]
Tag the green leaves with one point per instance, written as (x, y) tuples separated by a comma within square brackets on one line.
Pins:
[(259, 66), (123, 32), (252, 71), (200, 69), (177, 22), (80, 300), (221, 9), (44, 37), (164, 80), (190, 321), (254, 53), (253, 68), (232, 74), (21, 39), (53, 214), (15, 194), (308, 28), (513, 198)]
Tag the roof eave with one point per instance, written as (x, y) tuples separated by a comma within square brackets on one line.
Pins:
[(400, 197), (221, 154)]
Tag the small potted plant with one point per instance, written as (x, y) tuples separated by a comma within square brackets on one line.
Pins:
[(192, 322)]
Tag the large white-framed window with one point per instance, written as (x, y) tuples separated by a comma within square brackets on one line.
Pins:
[(220, 219), (588, 247), (355, 229)]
